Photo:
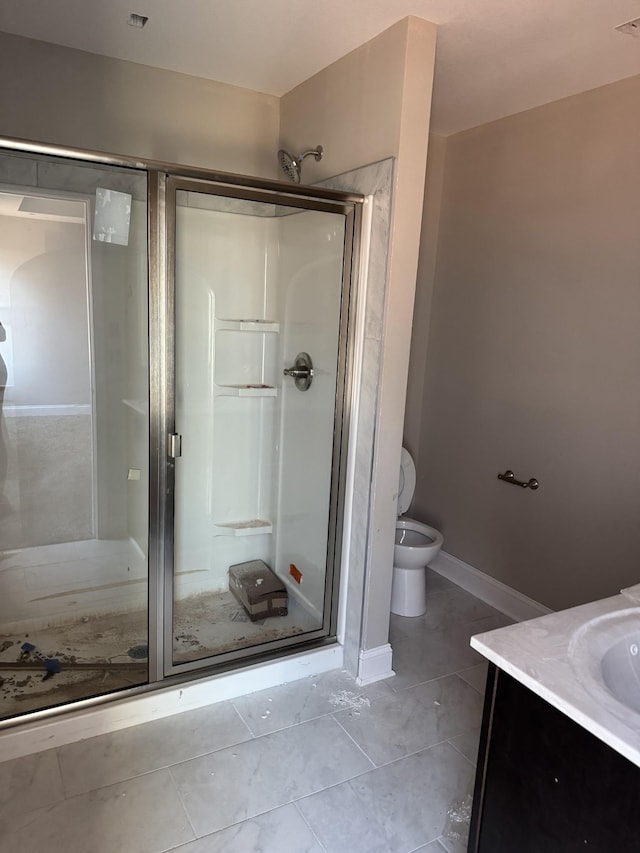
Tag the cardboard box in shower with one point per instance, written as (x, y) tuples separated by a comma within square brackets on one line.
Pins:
[(259, 590)]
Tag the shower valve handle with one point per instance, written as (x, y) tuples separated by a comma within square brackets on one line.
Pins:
[(301, 372), (298, 372)]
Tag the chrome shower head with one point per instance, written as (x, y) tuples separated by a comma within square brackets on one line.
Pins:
[(291, 165)]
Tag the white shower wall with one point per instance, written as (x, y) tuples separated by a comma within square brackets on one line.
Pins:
[(252, 458), (223, 272), (309, 286)]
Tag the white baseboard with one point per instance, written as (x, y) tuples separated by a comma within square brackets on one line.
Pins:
[(144, 708), (374, 665), (504, 598)]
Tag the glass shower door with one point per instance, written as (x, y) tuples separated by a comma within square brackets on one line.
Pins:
[(261, 300), (74, 424)]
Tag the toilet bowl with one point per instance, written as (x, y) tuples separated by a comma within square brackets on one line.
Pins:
[(416, 545)]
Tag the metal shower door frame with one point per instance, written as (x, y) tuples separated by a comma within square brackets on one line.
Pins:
[(162, 329), (161, 413)]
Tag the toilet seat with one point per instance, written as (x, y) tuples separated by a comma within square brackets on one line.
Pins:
[(414, 537), (407, 481)]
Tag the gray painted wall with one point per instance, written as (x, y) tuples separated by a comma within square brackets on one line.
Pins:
[(69, 97), (533, 358)]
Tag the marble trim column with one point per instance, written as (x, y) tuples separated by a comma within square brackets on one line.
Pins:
[(374, 181)]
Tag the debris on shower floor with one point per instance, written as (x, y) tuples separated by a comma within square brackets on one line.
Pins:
[(83, 650), (98, 654), (214, 623), (51, 665)]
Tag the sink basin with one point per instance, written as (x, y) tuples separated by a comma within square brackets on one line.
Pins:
[(621, 670), (605, 656)]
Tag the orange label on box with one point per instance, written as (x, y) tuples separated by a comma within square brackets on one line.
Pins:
[(295, 572)]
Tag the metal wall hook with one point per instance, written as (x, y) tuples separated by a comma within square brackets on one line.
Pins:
[(510, 477)]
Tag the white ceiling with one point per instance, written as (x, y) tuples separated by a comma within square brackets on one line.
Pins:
[(494, 57)]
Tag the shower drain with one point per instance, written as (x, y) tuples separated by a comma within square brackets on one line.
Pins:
[(139, 652)]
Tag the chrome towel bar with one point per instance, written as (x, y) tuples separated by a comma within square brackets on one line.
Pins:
[(510, 477)]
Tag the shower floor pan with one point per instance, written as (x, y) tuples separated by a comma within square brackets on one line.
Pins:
[(94, 651)]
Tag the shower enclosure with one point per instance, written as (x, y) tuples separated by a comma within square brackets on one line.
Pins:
[(175, 381)]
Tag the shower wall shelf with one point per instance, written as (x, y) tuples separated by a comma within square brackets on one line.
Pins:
[(250, 325), (252, 527), (246, 391), (247, 326)]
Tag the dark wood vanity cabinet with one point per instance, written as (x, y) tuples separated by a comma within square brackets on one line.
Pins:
[(546, 785)]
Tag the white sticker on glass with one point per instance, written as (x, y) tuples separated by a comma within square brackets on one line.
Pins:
[(113, 217)]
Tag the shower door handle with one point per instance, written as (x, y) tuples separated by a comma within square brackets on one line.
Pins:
[(301, 372), (174, 445)]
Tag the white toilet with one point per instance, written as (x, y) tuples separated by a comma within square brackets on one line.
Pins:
[(416, 546)]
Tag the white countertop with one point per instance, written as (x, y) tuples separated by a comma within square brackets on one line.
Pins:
[(536, 653)]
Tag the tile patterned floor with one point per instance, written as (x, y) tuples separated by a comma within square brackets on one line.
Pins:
[(309, 767)]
